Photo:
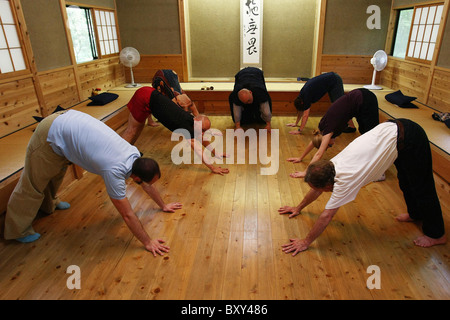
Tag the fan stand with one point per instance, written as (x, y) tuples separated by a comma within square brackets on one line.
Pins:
[(373, 86), (132, 84)]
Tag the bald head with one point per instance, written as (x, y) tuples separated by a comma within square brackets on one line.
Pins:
[(245, 96), (206, 123)]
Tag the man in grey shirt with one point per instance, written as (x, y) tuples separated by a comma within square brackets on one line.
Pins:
[(73, 136)]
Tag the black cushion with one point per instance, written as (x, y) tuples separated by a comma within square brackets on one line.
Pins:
[(58, 108), (38, 119), (102, 99), (401, 100)]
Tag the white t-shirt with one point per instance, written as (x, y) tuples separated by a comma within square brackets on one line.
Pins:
[(95, 147), (364, 160)]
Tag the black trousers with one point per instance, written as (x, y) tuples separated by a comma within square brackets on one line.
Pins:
[(415, 176), (368, 116)]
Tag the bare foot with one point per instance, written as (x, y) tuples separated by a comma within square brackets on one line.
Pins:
[(153, 124), (426, 242), (404, 217)]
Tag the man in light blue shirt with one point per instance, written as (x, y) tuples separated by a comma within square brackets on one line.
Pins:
[(82, 140), (73, 136)]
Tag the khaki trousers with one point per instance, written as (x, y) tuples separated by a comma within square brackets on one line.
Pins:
[(36, 190)]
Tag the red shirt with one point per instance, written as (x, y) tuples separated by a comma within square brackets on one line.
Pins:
[(139, 104)]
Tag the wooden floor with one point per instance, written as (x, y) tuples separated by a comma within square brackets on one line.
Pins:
[(226, 240)]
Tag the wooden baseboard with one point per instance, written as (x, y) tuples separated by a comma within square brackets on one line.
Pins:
[(216, 102)]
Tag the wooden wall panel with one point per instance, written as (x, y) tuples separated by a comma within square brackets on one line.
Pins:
[(149, 64), (352, 69), (409, 77), (18, 103), (439, 97), (216, 102), (104, 74), (58, 88)]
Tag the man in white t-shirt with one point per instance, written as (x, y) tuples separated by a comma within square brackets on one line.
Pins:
[(73, 136), (400, 142)]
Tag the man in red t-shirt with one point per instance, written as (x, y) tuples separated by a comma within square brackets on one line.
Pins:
[(139, 107), (147, 101)]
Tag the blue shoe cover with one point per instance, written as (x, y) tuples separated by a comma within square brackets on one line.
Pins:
[(62, 206), (29, 238)]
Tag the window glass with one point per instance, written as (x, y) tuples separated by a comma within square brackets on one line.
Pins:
[(402, 35), (82, 38)]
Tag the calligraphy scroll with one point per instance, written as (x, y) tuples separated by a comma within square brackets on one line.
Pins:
[(251, 33)]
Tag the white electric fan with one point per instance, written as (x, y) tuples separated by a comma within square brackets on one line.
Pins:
[(379, 62), (130, 57)]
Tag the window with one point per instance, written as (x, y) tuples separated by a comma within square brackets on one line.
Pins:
[(424, 32), (417, 32), (11, 54), (402, 35), (93, 31), (80, 22), (107, 32)]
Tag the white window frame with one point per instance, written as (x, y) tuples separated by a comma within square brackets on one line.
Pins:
[(424, 32), (13, 59), (105, 25)]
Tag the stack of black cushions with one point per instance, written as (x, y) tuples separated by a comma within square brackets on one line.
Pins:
[(58, 108), (401, 100), (98, 100), (102, 99)]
